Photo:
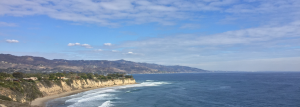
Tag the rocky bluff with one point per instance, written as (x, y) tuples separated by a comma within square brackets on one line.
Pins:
[(46, 88)]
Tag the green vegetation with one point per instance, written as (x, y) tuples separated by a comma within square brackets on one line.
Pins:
[(31, 91), (15, 86), (69, 81), (5, 74), (128, 76), (58, 83), (46, 83), (116, 75), (52, 77), (84, 76), (24, 84), (90, 76), (5, 98), (18, 75), (59, 75), (15, 80)]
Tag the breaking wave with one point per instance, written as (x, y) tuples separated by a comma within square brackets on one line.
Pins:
[(106, 95), (106, 104)]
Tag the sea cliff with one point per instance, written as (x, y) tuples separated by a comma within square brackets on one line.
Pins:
[(47, 88)]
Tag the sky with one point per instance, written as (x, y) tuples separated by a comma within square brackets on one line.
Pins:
[(227, 35)]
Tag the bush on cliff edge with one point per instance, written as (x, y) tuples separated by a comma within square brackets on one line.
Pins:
[(5, 98)]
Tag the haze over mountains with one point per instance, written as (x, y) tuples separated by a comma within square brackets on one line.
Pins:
[(11, 63)]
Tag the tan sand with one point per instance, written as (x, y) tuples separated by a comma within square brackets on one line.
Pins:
[(43, 100)]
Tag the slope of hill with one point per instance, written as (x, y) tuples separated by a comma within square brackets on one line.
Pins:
[(10, 63)]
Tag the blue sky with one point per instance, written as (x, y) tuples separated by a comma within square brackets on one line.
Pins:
[(243, 35)]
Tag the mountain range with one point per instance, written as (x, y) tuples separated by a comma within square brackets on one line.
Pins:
[(12, 63)]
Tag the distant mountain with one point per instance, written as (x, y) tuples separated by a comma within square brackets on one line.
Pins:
[(11, 63)]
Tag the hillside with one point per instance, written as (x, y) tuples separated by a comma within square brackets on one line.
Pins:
[(11, 63)]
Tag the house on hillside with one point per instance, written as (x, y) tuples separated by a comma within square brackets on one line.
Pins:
[(60, 77), (31, 78), (8, 79), (17, 80), (11, 79), (77, 77), (63, 78)]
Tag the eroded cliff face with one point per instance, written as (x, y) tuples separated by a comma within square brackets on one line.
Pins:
[(80, 84), (56, 87), (12, 95)]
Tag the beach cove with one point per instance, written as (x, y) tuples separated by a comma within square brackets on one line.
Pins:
[(76, 86)]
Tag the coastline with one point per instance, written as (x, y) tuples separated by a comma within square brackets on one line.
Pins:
[(43, 100)]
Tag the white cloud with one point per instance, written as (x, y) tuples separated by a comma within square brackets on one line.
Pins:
[(78, 44), (245, 44), (107, 44), (12, 41), (232, 47), (71, 44), (7, 24), (236, 48), (132, 53), (262, 6), (165, 12), (244, 36), (86, 46), (104, 12)]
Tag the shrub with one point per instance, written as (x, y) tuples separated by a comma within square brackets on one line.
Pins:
[(32, 91), (16, 83), (18, 75), (84, 76), (47, 83), (69, 82), (52, 77), (39, 78), (128, 76), (90, 76), (58, 83), (2, 97)]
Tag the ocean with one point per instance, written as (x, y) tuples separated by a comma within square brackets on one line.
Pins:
[(242, 89)]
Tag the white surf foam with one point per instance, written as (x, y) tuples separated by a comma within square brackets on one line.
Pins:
[(81, 102), (91, 94), (106, 104), (106, 94), (97, 97), (99, 91), (143, 84)]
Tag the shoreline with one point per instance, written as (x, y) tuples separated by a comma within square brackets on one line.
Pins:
[(43, 100)]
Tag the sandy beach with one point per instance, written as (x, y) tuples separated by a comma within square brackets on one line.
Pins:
[(43, 100)]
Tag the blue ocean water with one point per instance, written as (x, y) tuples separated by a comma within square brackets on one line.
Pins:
[(255, 89)]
